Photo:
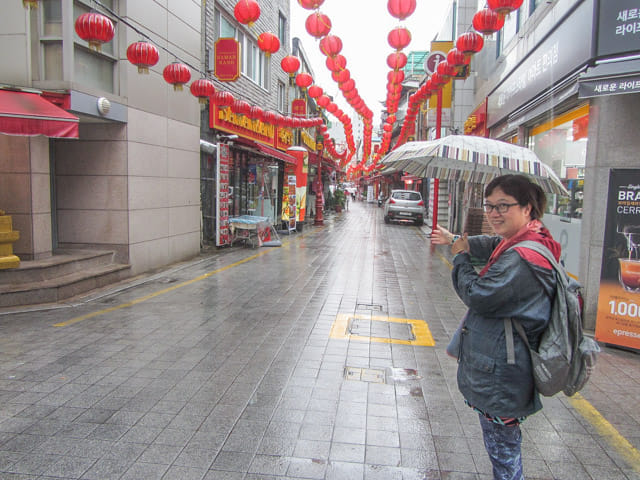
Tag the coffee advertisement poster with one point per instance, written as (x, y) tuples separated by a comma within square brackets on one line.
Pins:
[(618, 320)]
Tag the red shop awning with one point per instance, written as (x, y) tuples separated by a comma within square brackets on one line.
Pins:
[(285, 157), (28, 114)]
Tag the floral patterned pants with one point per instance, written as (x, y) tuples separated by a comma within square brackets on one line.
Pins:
[(503, 446)]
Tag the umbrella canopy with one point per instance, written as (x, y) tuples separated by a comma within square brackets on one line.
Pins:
[(471, 159)]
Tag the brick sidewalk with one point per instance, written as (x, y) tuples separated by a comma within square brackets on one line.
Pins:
[(322, 359)]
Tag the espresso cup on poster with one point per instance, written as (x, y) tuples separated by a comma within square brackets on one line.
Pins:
[(629, 274)]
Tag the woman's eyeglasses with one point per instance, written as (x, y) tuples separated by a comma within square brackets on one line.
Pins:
[(500, 207)]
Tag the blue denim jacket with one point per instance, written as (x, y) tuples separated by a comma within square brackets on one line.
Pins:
[(511, 288)]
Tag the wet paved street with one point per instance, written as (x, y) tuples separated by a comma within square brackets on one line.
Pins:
[(321, 359)]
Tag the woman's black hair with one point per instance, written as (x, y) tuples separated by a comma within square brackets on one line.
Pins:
[(523, 190)]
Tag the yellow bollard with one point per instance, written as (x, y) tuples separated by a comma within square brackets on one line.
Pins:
[(7, 236)]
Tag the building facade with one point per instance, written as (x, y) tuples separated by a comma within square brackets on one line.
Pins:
[(129, 181)]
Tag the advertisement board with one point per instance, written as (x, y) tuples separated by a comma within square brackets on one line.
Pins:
[(618, 317)]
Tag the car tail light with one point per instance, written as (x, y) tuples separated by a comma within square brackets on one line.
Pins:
[(421, 203), (391, 200)]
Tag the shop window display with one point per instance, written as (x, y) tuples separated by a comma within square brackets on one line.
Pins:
[(562, 144)]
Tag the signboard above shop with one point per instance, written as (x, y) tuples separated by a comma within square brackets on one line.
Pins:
[(618, 27)]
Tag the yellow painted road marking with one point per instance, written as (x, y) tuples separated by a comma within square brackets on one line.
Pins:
[(340, 330), (590, 414), (169, 289), (608, 431)]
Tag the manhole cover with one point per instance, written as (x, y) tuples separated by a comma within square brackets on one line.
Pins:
[(381, 329), (369, 306)]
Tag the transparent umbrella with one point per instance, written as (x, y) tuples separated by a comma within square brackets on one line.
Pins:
[(470, 159)]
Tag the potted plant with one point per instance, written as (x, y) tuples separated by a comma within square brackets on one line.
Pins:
[(339, 200)]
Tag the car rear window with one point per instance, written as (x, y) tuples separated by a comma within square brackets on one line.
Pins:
[(414, 196)]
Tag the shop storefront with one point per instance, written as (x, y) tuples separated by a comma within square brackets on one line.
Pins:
[(251, 175), (536, 105)]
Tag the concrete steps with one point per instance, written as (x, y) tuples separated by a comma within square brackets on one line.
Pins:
[(65, 274)]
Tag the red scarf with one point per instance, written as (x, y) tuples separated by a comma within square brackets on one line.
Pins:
[(531, 231)]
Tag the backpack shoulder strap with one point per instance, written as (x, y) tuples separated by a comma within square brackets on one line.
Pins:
[(541, 249), (509, 323)]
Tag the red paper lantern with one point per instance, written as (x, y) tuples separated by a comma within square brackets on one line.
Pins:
[(177, 74), (504, 7), (446, 70), (396, 60), (95, 29), (269, 117), (457, 59), (256, 112), (247, 12), (223, 99), (336, 63), (332, 107), (143, 55), (268, 43), (303, 80), (310, 4), (348, 85), (341, 76), (318, 25), (202, 89), (399, 38), (279, 120), (395, 76), (314, 91), (401, 9), (487, 21), (290, 64), (470, 43), (438, 80), (323, 101), (331, 45), (240, 107)]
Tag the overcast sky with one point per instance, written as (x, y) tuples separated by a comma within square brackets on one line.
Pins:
[(363, 26)]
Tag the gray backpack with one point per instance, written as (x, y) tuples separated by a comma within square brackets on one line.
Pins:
[(565, 357)]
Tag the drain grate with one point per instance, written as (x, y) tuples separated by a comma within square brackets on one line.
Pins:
[(369, 306), (380, 329)]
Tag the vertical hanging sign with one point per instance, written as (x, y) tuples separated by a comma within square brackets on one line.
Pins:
[(292, 202), (223, 236), (227, 59), (618, 318)]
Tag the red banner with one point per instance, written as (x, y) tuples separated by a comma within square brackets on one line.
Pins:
[(299, 107), (227, 59)]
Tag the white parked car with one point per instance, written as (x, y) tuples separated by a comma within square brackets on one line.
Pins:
[(405, 205)]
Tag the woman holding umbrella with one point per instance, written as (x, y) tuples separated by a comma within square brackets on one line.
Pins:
[(515, 283)]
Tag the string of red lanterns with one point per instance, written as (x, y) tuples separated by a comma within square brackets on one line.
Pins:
[(486, 22)]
